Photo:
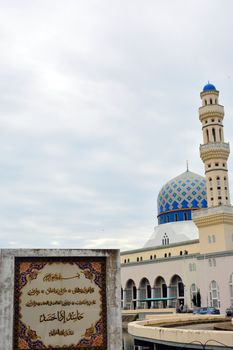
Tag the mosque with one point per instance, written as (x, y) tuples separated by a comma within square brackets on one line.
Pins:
[(188, 260)]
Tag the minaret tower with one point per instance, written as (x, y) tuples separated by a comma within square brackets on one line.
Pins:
[(214, 151), (215, 223)]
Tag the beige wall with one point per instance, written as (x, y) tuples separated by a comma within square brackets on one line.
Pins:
[(145, 255)]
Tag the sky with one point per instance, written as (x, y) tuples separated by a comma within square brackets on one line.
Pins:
[(98, 109)]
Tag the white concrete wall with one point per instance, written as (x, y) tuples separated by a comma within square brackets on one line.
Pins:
[(152, 330), (202, 276)]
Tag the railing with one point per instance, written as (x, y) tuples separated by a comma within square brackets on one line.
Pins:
[(215, 146), (211, 108)]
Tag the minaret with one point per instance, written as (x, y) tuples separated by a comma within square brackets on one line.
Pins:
[(214, 151), (215, 223)]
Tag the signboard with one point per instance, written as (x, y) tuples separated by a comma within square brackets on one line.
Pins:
[(60, 303)]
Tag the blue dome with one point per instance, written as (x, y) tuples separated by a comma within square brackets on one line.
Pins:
[(179, 196), (209, 87)]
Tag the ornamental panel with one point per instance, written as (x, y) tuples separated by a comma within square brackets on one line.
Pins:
[(60, 303)]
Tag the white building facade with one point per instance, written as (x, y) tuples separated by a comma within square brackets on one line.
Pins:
[(189, 258)]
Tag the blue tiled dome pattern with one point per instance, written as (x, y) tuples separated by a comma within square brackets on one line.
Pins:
[(186, 191)]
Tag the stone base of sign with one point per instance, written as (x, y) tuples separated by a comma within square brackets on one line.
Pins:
[(7, 284)]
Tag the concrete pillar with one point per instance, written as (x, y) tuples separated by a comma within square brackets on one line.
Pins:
[(138, 297), (153, 296), (168, 296), (124, 299)]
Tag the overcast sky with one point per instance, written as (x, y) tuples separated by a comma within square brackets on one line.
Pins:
[(98, 109)]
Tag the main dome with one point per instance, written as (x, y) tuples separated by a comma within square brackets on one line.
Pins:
[(179, 196)]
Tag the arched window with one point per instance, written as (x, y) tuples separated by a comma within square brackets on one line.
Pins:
[(176, 217), (130, 295), (220, 134), (218, 180), (185, 216), (210, 182), (214, 294), (225, 182), (160, 291), (231, 289), (211, 101), (205, 102), (165, 255), (193, 294), (177, 290), (144, 292), (165, 239), (214, 134), (207, 135)]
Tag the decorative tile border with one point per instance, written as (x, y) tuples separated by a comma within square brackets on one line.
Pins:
[(32, 274)]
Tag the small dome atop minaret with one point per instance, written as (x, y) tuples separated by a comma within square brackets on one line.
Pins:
[(209, 87)]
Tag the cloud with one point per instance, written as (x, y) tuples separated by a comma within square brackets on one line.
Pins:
[(99, 108)]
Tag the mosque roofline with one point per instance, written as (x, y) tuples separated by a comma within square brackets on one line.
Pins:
[(198, 256), (160, 260), (158, 247), (203, 256)]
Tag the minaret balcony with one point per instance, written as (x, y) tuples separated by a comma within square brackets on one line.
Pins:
[(211, 110), (215, 150)]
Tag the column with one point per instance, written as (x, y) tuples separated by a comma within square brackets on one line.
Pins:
[(168, 296), (138, 297), (153, 296), (124, 299)]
